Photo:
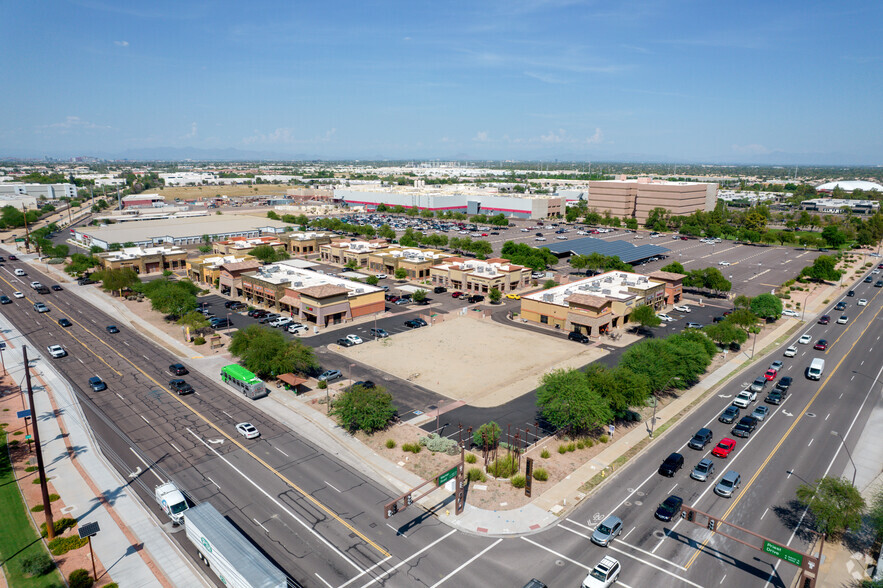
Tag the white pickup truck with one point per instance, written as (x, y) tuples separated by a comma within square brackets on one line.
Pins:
[(172, 501)]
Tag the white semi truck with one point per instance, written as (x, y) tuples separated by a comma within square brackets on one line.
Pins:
[(172, 501), (222, 547)]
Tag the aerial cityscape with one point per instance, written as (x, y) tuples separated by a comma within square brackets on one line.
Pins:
[(542, 293)]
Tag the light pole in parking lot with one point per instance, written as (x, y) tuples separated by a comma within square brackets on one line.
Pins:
[(803, 310), (656, 403), (854, 469)]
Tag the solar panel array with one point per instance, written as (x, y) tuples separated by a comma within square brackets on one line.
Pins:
[(624, 250)]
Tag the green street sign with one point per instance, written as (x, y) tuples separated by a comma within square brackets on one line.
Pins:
[(447, 476), (783, 553), (20, 240)]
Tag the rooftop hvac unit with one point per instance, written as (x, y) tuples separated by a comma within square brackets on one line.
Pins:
[(548, 297), (298, 284), (584, 287), (606, 292), (629, 283), (568, 292), (608, 279), (359, 290)]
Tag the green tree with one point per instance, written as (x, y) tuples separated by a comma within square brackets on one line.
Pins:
[(833, 236), (364, 409), (372, 280), (823, 269), (197, 322), (268, 353), (875, 512), (268, 253), (114, 280), (645, 316), (351, 264), (675, 267), (171, 298), (401, 273), (835, 504), (495, 295), (487, 433), (567, 402), (631, 223), (549, 284), (386, 232), (766, 306), (725, 333), (419, 295), (742, 301)]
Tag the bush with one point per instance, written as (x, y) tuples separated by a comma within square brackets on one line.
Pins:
[(562, 449), (199, 340), (37, 508), (544, 454), (390, 444), (571, 447), (80, 579), (412, 447), (489, 432), (540, 474), (590, 443), (580, 445), (519, 481), (365, 409), (603, 438), (503, 467), (61, 525), (61, 545), (31, 469), (470, 458), (438, 444), (476, 475), (322, 385), (36, 564)]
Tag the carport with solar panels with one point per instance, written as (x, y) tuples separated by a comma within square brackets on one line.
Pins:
[(624, 250)]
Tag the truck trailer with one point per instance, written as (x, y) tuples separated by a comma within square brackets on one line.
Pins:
[(223, 548)]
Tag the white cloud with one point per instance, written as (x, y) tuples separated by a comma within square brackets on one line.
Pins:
[(406, 39), (121, 43), (193, 132), (553, 137), (73, 123), (481, 136), (753, 149), (327, 136), (280, 135), (596, 138)]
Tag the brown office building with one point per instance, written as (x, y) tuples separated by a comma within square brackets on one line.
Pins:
[(636, 198), (145, 260), (475, 276), (341, 252), (304, 243)]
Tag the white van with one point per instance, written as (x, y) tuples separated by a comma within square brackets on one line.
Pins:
[(19, 272), (816, 369)]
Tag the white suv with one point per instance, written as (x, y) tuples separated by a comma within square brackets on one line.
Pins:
[(281, 321), (744, 398), (604, 574), (56, 351), (297, 329)]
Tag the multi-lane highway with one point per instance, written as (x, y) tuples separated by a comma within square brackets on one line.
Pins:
[(321, 521)]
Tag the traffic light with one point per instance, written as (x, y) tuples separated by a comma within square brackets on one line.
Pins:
[(690, 516), (711, 524), (409, 500), (392, 508)]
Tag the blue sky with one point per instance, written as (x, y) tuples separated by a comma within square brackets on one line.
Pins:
[(767, 82)]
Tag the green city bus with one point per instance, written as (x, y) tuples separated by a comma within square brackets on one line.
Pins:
[(244, 381)]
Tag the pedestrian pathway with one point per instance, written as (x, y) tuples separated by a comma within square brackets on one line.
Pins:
[(131, 546)]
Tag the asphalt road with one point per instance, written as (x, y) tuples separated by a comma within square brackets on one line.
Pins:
[(322, 522)]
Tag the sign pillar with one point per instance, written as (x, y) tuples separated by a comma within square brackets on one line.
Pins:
[(528, 474)]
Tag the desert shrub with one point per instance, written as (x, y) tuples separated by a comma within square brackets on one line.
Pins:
[(580, 445), (61, 545), (322, 385), (36, 564), (603, 438), (61, 525), (590, 443), (412, 447), (470, 458), (519, 481), (503, 467), (80, 579), (540, 474), (571, 447), (562, 449), (436, 443), (476, 475), (489, 433), (199, 340), (544, 454), (390, 444), (37, 508), (31, 469)]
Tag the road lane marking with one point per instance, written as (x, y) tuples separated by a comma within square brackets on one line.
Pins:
[(149, 468), (175, 446), (810, 441), (120, 397), (213, 482), (332, 487), (466, 563), (280, 451), (144, 419), (775, 450), (261, 525), (323, 579), (277, 503), (768, 508), (404, 561), (627, 545)]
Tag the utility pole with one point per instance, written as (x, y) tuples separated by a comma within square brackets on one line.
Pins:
[(41, 470), (24, 212)]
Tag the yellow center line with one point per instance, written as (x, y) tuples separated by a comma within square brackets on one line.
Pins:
[(847, 328), (233, 440), (782, 440)]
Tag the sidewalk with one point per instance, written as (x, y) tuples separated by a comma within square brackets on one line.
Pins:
[(131, 546)]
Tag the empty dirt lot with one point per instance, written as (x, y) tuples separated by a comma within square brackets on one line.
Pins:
[(474, 360)]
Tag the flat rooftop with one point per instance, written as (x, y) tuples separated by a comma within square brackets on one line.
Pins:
[(299, 278), (181, 228), (625, 251), (610, 285)]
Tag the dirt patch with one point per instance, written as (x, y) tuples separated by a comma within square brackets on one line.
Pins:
[(478, 361)]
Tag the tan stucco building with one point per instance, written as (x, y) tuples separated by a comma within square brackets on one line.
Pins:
[(207, 268), (593, 305), (145, 260), (244, 245), (341, 252), (480, 276), (636, 198), (416, 261), (304, 243)]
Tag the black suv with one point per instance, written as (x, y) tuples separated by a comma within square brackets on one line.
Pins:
[(476, 298), (439, 290), (578, 337), (746, 425), (776, 396), (784, 383), (178, 369), (671, 465), (701, 439)]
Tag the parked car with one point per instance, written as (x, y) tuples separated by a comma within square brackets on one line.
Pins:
[(701, 439), (297, 328), (221, 323), (693, 326), (412, 324), (789, 312), (476, 298), (330, 375), (703, 470), (379, 333), (671, 465), (724, 448), (669, 508), (343, 342), (355, 339), (578, 337), (439, 290), (682, 308)]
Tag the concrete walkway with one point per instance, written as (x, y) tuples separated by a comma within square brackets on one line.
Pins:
[(131, 546)]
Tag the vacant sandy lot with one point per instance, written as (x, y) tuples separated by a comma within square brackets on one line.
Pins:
[(475, 360), (191, 192)]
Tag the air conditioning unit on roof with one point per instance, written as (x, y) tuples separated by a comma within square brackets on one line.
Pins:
[(605, 292)]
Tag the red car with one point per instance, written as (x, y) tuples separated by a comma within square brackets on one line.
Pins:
[(821, 345), (770, 375), (824, 319), (13, 258), (724, 448), (456, 294), (484, 235), (685, 238)]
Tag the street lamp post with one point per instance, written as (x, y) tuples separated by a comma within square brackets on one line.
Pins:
[(803, 311), (656, 403), (848, 454)]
